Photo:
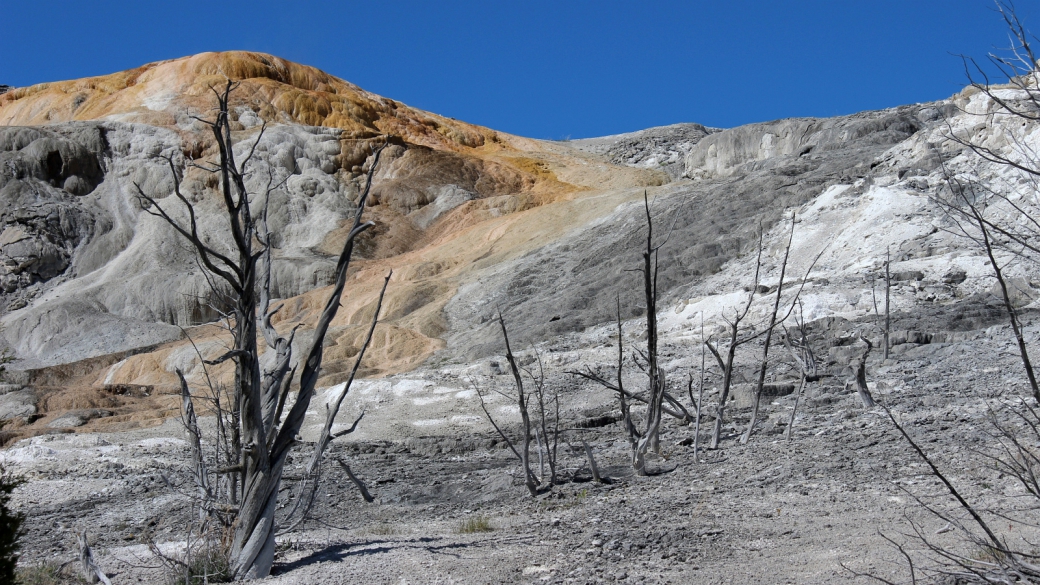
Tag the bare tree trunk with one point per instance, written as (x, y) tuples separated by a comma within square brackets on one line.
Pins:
[(727, 380), (859, 368), (556, 437), (89, 569), (806, 362), (1016, 326), (541, 459), (525, 452), (592, 462), (550, 449), (357, 482), (731, 351), (199, 472), (260, 440), (769, 336), (308, 488), (888, 304), (700, 400), (788, 432), (651, 437)]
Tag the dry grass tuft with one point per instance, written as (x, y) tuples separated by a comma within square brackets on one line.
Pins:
[(474, 524)]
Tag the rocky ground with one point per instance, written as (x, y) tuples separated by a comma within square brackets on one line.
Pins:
[(773, 511)]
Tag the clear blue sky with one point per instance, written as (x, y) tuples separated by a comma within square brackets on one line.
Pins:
[(547, 69)]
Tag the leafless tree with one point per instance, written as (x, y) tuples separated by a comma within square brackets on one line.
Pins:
[(547, 441), (968, 210), (1003, 226), (858, 368), (657, 399), (764, 363), (261, 437), (888, 302), (735, 341), (971, 202), (740, 333), (312, 474), (804, 358), (699, 401), (89, 569)]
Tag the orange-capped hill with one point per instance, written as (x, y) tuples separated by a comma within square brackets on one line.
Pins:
[(275, 89)]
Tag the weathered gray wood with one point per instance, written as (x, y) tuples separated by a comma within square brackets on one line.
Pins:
[(309, 486), (888, 304), (859, 369), (88, 567), (525, 451), (260, 438), (592, 462), (700, 399), (734, 342), (642, 441), (769, 337), (357, 482), (198, 465)]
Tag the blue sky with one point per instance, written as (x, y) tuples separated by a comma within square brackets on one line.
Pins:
[(547, 69)]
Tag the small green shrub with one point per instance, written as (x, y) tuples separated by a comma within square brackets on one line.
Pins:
[(474, 524)]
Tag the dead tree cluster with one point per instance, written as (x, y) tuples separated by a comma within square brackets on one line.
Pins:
[(238, 473), (739, 332), (658, 400), (543, 430), (643, 436)]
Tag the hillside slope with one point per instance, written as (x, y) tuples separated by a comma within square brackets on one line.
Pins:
[(100, 296)]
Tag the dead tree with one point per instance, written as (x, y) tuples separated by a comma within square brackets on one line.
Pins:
[(887, 327), (549, 424), (312, 474), (262, 437), (89, 569), (969, 214), (657, 399), (764, 364), (888, 302), (805, 359), (969, 201), (699, 402), (973, 208), (739, 335), (593, 468), (995, 560), (858, 368), (772, 324), (735, 341)]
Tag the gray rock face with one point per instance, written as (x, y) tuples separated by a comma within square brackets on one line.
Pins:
[(44, 174), (18, 404), (572, 284), (664, 147), (87, 269), (78, 418), (87, 273), (738, 150)]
